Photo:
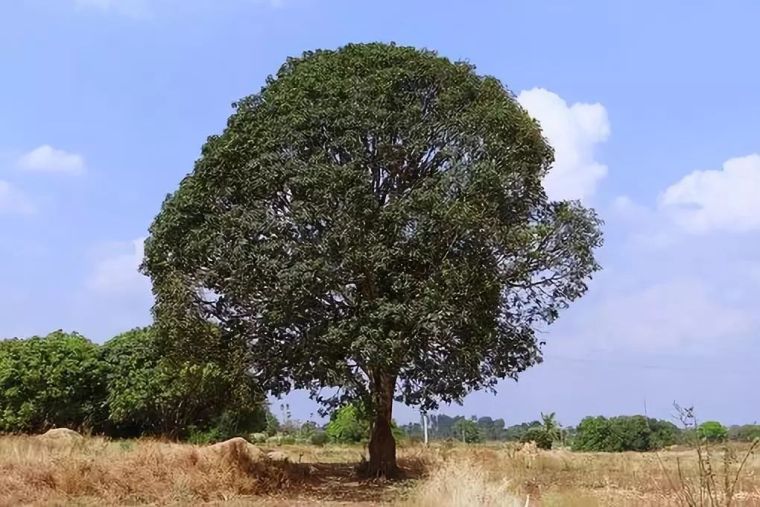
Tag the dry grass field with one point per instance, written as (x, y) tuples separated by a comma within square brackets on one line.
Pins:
[(93, 471)]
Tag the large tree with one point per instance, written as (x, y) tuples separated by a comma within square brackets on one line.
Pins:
[(373, 220)]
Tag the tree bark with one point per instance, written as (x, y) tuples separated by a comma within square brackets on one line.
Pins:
[(382, 445)]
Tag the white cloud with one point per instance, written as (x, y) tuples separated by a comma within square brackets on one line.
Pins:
[(13, 200), (727, 199), (629, 209), (574, 131), (48, 159), (672, 315), (117, 273)]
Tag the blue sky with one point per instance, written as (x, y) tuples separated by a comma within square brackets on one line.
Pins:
[(652, 108)]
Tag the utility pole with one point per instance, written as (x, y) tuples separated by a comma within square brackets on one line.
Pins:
[(425, 427)]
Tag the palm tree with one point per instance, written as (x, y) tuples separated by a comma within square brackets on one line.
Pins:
[(550, 425)]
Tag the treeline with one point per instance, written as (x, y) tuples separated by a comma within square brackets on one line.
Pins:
[(126, 387), (597, 434), (444, 427)]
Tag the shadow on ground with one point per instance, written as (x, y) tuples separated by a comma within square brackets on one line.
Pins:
[(341, 484)]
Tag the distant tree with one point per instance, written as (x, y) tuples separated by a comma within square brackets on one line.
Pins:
[(307, 429), (52, 381), (712, 431), (550, 426), (623, 433), (373, 219), (149, 393), (539, 436), (594, 434), (631, 433), (664, 433), (516, 432), (348, 424), (467, 431), (745, 433), (491, 429), (272, 424)]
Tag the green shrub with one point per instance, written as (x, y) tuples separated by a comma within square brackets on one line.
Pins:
[(52, 381), (542, 439), (258, 438), (712, 431), (467, 431), (272, 424), (745, 433), (347, 425), (623, 433), (318, 438), (204, 437), (150, 394)]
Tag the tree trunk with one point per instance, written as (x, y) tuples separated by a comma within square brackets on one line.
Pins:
[(382, 445)]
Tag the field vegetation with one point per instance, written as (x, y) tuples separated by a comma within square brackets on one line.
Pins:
[(97, 471)]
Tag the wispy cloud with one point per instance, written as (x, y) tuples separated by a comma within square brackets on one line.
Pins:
[(13, 200), (117, 273), (48, 159)]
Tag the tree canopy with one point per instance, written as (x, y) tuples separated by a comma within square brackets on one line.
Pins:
[(624, 433), (51, 381), (149, 393), (373, 220), (712, 431)]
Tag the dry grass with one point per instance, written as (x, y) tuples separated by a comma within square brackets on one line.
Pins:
[(463, 483), (99, 472), (563, 478), (94, 471)]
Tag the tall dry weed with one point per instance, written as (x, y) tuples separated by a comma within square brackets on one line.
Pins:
[(463, 483)]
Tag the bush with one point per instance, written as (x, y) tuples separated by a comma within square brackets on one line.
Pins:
[(624, 433), (745, 433), (712, 431), (468, 431), (318, 438), (150, 394), (52, 381), (538, 435), (347, 425), (272, 424), (258, 438), (204, 437)]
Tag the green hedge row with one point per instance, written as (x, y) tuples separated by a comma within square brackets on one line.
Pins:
[(126, 387)]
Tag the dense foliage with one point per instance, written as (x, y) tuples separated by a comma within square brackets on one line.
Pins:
[(125, 387), (467, 431), (712, 431), (744, 433), (539, 436), (347, 425), (623, 433), (56, 380), (442, 427), (152, 394), (374, 220)]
